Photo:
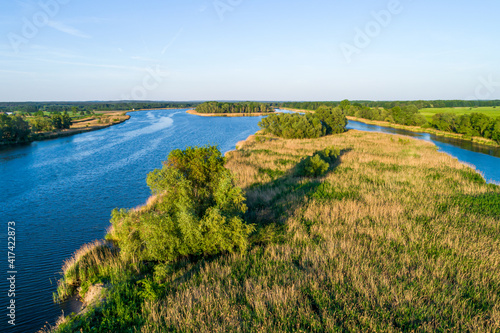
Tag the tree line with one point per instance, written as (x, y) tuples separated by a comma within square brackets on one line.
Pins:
[(16, 128), (245, 107), (326, 120), (420, 104), (87, 107), (474, 124)]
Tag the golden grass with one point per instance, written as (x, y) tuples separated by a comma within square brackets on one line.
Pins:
[(385, 249)]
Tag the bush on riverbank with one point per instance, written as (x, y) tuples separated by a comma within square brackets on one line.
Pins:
[(196, 210)]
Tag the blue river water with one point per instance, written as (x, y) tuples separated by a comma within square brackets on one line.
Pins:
[(60, 193)]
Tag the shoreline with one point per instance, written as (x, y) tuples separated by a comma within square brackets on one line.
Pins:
[(258, 114), (43, 136), (417, 129)]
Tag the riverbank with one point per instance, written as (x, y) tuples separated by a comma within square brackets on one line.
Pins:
[(258, 114), (393, 226), (417, 129), (104, 119)]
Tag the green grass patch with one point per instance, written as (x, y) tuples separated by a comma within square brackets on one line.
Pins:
[(489, 111)]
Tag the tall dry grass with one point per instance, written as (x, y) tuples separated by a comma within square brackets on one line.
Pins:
[(395, 237), (381, 243)]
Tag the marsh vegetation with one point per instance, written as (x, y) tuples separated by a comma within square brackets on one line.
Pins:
[(392, 236)]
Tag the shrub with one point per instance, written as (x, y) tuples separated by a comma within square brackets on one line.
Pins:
[(319, 163), (196, 210)]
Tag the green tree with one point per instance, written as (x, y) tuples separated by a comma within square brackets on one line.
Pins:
[(334, 119), (345, 105), (196, 210), (14, 129)]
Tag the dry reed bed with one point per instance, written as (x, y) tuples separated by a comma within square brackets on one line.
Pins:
[(377, 244)]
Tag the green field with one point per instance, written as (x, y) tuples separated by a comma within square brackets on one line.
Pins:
[(489, 111)]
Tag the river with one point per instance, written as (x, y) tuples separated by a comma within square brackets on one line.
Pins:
[(60, 192)]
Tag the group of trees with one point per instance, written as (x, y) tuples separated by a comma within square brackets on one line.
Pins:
[(326, 120), (13, 129), (57, 121), (474, 124), (420, 104), (196, 210), (16, 128), (87, 107), (245, 107), (406, 115)]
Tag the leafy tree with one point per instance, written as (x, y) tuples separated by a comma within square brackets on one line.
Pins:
[(13, 129), (345, 105), (444, 122), (61, 121), (334, 119), (41, 123), (496, 130), (196, 210)]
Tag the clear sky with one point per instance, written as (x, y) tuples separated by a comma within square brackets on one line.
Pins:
[(54, 50)]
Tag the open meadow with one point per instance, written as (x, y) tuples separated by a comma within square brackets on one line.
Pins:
[(489, 111)]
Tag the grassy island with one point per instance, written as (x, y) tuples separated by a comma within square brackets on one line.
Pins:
[(390, 235)]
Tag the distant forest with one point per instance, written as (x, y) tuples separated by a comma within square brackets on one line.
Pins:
[(60, 107), (391, 104), (221, 107), (245, 107)]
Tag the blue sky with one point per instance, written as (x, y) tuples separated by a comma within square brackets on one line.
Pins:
[(53, 50)]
